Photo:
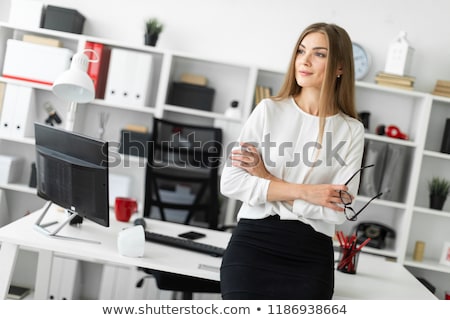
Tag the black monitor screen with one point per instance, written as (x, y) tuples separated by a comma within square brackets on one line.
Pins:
[(72, 172)]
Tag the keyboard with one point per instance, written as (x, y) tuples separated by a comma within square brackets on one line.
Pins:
[(184, 243)]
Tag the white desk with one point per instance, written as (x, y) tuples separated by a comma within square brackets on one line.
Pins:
[(375, 278)]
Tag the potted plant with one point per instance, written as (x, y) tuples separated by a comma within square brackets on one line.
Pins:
[(152, 30), (439, 189)]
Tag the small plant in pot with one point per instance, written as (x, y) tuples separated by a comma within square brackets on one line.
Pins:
[(152, 30), (439, 189)]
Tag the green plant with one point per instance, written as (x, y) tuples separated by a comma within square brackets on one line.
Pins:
[(439, 186), (153, 26)]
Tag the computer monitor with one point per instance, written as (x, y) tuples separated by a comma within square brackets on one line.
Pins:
[(72, 172)]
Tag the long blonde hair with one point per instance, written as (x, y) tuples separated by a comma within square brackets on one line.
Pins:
[(337, 93)]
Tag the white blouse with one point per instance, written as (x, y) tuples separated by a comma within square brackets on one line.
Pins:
[(287, 138)]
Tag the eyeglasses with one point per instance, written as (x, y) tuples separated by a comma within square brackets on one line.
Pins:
[(347, 199)]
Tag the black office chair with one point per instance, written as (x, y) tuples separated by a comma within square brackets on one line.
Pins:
[(181, 186), (182, 173)]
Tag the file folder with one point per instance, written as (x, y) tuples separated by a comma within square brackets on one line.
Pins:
[(18, 112), (129, 77), (65, 279), (394, 183), (98, 70), (374, 153)]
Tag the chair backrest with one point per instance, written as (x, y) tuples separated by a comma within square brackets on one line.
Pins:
[(181, 182)]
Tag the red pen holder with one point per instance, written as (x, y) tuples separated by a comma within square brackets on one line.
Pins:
[(349, 260)]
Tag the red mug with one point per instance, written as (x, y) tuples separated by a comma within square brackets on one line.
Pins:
[(124, 208)]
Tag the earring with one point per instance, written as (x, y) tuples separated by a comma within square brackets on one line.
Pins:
[(338, 76)]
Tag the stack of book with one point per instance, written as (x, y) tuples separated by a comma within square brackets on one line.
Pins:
[(396, 81), (262, 92), (442, 88)]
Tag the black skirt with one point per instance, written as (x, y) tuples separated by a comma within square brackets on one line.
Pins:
[(277, 259)]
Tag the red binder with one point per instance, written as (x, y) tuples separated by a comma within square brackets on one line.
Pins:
[(98, 71)]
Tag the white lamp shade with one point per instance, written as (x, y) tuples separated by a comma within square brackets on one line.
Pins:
[(75, 84)]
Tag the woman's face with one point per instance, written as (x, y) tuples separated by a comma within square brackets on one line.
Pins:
[(311, 60)]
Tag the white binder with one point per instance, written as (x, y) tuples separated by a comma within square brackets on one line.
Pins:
[(18, 112), (65, 279), (129, 77)]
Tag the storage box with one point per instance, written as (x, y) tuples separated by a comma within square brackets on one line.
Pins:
[(35, 62), (26, 13), (10, 169), (63, 19), (192, 96)]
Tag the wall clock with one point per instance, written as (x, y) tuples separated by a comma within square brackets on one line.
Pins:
[(362, 61)]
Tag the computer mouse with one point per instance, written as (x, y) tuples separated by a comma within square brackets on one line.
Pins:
[(140, 221)]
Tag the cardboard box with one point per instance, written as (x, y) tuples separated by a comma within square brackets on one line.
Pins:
[(10, 169), (63, 19), (35, 62)]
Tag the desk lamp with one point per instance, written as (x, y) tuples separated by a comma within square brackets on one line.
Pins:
[(75, 86)]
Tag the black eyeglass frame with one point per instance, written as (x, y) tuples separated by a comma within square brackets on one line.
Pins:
[(347, 204)]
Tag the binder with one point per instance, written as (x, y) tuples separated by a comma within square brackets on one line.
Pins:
[(374, 153), (65, 279), (129, 77), (394, 183), (98, 71), (18, 112), (119, 283)]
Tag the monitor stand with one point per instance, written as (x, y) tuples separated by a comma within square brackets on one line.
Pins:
[(42, 227)]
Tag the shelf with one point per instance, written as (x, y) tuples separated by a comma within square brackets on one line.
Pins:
[(29, 141), (118, 44), (143, 109), (435, 154), (402, 142), (441, 99), (200, 113), (390, 253), (26, 83), (429, 264), (434, 212), (374, 86), (42, 31), (18, 187)]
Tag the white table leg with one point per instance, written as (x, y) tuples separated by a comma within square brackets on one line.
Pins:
[(43, 274), (8, 255)]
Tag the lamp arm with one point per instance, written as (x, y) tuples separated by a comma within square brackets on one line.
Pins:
[(71, 116)]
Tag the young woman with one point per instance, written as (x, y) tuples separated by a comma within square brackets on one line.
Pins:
[(297, 151)]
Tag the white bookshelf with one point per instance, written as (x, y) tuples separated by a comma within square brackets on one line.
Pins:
[(418, 114)]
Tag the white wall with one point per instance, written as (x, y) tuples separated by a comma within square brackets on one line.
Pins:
[(262, 32)]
